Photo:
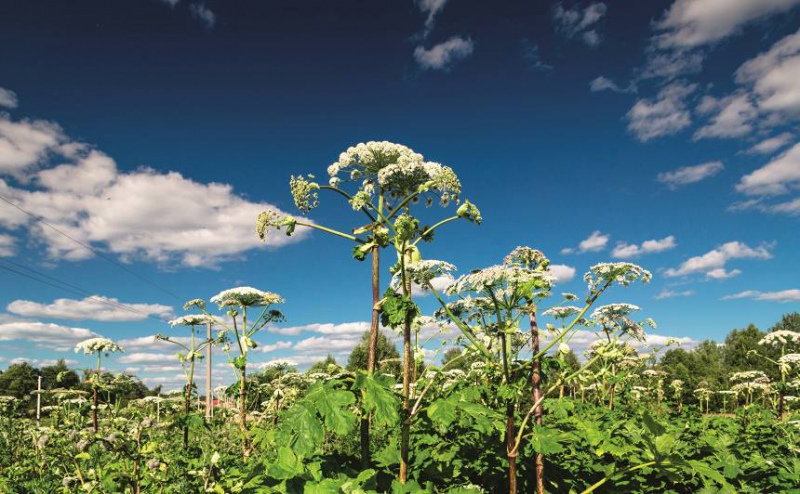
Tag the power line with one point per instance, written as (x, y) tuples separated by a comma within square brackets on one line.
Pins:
[(90, 248), (75, 290)]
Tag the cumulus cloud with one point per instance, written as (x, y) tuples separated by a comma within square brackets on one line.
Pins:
[(603, 83), (668, 114), (24, 144), (595, 242), (580, 22), (733, 116), (44, 334), (694, 23), (779, 176), (792, 295), (145, 358), (94, 308), (773, 76), (562, 272), (690, 174), (8, 246), (144, 214), (351, 328), (445, 54), (431, 8), (713, 262), (202, 13), (624, 250), (278, 345), (8, 98), (670, 65), (42, 362), (326, 344), (772, 144), (667, 293)]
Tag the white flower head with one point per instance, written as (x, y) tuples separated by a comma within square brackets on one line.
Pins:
[(192, 320), (97, 345), (623, 273), (245, 296), (562, 311), (779, 338)]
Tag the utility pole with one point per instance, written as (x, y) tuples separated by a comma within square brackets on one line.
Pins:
[(209, 401), (39, 402)]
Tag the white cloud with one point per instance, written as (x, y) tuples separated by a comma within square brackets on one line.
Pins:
[(562, 272), (8, 246), (669, 65), (772, 144), (693, 23), (792, 295), (531, 53), (445, 54), (146, 358), (734, 116), (779, 176), (578, 22), (161, 217), (326, 344), (47, 335), (8, 98), (603, 83), (667, 115), (595, 242), (690, 174), (351, 328), (432, 8), (279, 345), (42, 362), (722, 274), (93, 309), (667, 293), (773, 76), (624, 250), (202, 13), (712, 263), (24, 144)]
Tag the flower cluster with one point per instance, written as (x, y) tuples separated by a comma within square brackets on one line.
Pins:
[(747, 376), (527, 258), (499, 276), (97, 345), (623, 273), (615, 318), (245, 296), (273, 219), (192, 320), (304, 192), (779, 338), (423, 272), (562, 311)]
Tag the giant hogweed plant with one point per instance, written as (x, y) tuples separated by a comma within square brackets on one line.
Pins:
[(188, 358), (237, 302), (488, 309), (99, 347), (788, 344), (381, 180)]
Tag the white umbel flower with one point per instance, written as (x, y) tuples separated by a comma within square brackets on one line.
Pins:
[(97, 345), (245, 296), (779, 338), (192, 320)]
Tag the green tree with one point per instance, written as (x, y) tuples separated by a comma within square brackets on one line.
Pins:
[(789, 322), (386, 355), (324, 366), (59, 375), (19, 380), (738, 346)]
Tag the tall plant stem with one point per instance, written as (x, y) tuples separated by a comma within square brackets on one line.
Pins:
[(536, 380), (406, 415), (94, 396), (511, 449), (373, 348)]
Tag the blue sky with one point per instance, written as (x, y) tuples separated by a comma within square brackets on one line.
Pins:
[(154, 130)]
